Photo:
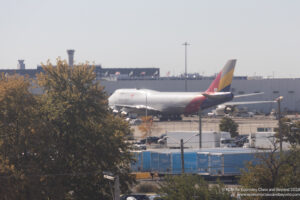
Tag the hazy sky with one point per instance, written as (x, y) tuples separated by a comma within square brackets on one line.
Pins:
[(264, 35)]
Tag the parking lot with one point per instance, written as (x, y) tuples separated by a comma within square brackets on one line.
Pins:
[(246, 125)]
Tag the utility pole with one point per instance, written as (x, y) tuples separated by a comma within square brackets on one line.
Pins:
[(182, 156), (185, 73), (182, 149), (146, 117), (200, 127), (113, 179), (117, 188), (279, 99)]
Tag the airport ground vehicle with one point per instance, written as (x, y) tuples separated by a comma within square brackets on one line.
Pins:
[(210, 139)]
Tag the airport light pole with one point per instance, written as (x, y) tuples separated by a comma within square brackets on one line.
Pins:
[(185, 73), (146, 117), (200, 127), (279, 99), (115, 179)]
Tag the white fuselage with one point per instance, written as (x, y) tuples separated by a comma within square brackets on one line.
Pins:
[(165, 102)]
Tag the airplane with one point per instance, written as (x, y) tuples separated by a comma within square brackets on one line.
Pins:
[(171, 105)]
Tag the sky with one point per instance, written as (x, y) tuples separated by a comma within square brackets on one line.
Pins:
[(263, 35)]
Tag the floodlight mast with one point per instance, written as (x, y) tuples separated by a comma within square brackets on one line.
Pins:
[(185, 64)]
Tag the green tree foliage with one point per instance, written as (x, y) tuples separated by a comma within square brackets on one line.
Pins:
[(229, 125), (87, 139), (274, 170), (290, 131), (190, 187), (58, 145), (19, 139)]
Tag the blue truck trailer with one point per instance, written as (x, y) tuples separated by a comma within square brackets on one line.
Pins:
[(210, 161)]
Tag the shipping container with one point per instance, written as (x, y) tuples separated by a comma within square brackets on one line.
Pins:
[(165, 162), (176, 162), (216, 164), (203, 163), (155, 162), (136, 166), (207, 161), (190, 162), (146, 161)]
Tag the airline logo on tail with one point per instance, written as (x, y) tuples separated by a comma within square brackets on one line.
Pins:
[(223, 80)]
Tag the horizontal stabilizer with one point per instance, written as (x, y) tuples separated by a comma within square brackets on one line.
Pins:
[(246, 103), (217, 95), (248, 95)]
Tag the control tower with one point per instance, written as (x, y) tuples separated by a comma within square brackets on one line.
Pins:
[(71, 56)]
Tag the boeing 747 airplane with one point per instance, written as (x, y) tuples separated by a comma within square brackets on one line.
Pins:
[(171, 105)]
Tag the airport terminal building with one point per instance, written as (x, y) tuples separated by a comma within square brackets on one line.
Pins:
[(272, 88), (149, 78)]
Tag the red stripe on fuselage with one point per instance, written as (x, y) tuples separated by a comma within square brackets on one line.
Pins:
[(194, 105)]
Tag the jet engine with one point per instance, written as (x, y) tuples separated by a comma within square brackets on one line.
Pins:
[(229, 109)]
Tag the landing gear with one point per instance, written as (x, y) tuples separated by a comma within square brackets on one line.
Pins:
[(170, 117), (164, 118), (175, 118)]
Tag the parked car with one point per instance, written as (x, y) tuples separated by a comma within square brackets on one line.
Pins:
[(149, 140), (228, 143), (139, 146), (240, 140), (135, 122), (141, 197), (135, 197)]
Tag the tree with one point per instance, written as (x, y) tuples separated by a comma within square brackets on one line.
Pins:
[(229, 125), (86, 140), (290, 131), (273, 170), (59, 144), (190, 187), (146, 126), (20, 127)]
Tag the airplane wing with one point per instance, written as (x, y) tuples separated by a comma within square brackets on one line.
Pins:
[(217, 95), (136, 108), (246, 102), (248, 95)]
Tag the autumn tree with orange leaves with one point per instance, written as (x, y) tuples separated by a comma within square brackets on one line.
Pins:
[(58, 145), (146, 126)]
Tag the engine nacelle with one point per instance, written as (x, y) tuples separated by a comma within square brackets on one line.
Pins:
[(115, 111), (123, 113), (229, 109)]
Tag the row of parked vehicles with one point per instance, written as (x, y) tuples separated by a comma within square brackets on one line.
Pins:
[(210, 140), (141, 197)]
